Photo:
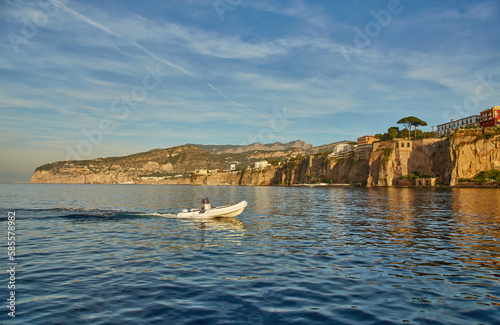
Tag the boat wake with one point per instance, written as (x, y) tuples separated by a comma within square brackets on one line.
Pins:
[(84, 214), (161, 215)]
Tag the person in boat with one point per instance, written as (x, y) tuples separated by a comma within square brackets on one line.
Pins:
[(205, 204)]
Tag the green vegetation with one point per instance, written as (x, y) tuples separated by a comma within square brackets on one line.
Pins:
[(394, 132), (323, 154), (184, 158), (484, 176), (248, 158), (275, 161), (476, 132), (47, 167), (414, 175), (324, 179), (387, 156)]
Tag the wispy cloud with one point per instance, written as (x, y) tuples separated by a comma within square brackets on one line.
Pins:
[(482, 10), (223, 80), (113, 33), (155, 56)]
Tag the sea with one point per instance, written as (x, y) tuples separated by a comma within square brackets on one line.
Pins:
[(118, 254)]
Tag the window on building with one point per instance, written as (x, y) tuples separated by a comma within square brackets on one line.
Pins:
[(408, 144)]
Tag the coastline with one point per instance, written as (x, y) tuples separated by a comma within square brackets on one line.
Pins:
[(454, 162), (489, 185)]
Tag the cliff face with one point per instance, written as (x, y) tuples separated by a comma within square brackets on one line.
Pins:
[(472, 153), (391, 160), (318, 169), (431, 157), (466, 154)]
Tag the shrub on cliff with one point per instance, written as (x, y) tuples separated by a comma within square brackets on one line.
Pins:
[(387, 156), (412, 175), (484, 176)]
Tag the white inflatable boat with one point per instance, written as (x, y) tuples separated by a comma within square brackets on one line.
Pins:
[(222, 211)]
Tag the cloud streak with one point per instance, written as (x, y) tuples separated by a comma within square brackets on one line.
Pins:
[(224, 80), (142, 48)]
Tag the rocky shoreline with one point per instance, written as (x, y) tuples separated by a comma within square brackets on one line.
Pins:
[(447, 161)]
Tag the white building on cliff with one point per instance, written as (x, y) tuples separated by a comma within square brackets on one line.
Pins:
[(448, 128)]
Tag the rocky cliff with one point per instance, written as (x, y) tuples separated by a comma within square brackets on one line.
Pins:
[(462, 156), (253, 177), (471, 152), (352, 169), (391, 160)]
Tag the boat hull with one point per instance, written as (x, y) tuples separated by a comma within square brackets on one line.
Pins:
[(223, 212)]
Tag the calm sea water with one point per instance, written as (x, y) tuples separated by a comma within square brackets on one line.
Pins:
[(113, 254)]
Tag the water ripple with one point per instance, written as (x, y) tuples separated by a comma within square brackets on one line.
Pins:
[(295, 256)]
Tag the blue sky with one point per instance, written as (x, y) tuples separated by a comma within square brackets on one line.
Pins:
[(87, 79)]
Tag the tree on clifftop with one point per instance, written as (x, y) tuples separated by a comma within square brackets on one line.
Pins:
[(392, 133), (410, 121), (418, 122)]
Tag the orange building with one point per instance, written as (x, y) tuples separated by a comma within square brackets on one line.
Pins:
[(490, 117), (366, 139)]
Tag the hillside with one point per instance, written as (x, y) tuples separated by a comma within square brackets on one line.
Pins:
[(452, 161), (167, 163), (171, 165)]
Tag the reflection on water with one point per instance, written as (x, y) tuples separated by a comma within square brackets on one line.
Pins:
[(295, 255), (230, 224)]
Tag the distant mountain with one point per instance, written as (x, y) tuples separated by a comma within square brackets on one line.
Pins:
[(168, 162), (256, 146)]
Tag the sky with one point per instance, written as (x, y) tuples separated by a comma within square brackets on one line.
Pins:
[(87, 79)]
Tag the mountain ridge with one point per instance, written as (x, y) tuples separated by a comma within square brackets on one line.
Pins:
[(168, 163), (451, 161), (230, 148)]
